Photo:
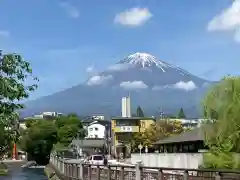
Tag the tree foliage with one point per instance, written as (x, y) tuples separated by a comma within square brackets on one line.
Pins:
[(38, 140), (139, 112), (221, 108), (69, 127), (14, 71), (181, 114), (41, 135), (155, 132)]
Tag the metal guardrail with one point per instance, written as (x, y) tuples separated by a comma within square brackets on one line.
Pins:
[(81, 171)]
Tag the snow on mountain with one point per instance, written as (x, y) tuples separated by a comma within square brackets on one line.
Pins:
[(145, 60), (153, 84), (148, 60)]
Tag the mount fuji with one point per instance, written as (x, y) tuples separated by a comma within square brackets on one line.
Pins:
[(153, 84)]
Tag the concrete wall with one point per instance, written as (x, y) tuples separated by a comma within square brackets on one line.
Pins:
[(171, 160)]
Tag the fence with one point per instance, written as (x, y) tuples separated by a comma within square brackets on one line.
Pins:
[(73, 170)]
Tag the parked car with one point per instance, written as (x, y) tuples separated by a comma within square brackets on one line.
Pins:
[(96, 159)]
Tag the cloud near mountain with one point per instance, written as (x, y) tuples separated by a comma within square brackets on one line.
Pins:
[(133, 85), (97, 80)]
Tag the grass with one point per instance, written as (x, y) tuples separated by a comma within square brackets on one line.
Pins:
[(3, 172), (3, 169)]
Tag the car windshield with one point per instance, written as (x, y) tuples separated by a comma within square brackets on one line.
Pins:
[(97, 158)]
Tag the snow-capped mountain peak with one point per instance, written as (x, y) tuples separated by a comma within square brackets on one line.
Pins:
[(145, 60)]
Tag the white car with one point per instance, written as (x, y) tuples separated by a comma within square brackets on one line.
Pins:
[(96, 159)]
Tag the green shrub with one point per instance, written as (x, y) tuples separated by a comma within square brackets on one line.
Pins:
[(220, 161)]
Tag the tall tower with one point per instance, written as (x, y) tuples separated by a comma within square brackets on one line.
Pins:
[(126, 106)]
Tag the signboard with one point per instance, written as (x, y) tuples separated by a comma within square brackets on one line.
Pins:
[(126, 128)]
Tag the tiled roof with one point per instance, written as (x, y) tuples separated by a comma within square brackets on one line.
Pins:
[(196, 134)]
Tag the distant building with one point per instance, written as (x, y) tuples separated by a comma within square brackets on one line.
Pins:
[(44, 115), (97, 131), (98, 117), (123, 129)]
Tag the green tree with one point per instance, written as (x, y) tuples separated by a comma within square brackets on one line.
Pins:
[(68, 128), (139, 112), (66, 134), (30, 122), (68, 120), (221, 109), (156, 132), (181, 114), (14, 72), (38, 141)]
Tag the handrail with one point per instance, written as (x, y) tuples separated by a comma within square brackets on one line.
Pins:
[(81, 170)]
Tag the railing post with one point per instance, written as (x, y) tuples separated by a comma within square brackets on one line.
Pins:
[(185, 175), (121, 174), (108, 172), (160, 174), (217, 176), (138, 170), (98, 173), (68, 172), (81, 167), (57, 166), (89, 172), (63, 170)]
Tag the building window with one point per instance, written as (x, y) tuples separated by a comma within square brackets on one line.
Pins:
[(96, 129), (96, 136)]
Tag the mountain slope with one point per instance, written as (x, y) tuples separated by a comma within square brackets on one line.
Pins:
[(153, 84)]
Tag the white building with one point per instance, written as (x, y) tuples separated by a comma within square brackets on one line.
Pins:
[(44, 114), (98, 117), (96, 130)]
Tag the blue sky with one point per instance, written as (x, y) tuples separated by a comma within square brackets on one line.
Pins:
[(62, 39)]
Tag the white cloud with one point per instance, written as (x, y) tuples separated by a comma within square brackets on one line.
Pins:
[(133, 17), (187, 86), (90, 69), (4, 33), (133, 85), (72, 11), (96, 80), (119, 67), (227, 20)]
